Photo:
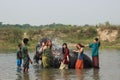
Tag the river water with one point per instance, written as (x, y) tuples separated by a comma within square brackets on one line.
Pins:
[(109, 69)]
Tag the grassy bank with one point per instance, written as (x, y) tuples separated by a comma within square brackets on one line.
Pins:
[(11, 35)]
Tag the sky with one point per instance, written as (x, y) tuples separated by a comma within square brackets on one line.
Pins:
[(74, 12)]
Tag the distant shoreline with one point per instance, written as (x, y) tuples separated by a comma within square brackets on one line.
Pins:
[(11, 35), (31, 49)]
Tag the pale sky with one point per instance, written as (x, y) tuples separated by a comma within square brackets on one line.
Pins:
[(77, 12)]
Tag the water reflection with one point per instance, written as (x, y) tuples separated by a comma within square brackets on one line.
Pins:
[(43, 74), (109, 69), (79, 73), (23, 76), (65, 74), (96, 74), (47, 74), (37, 71), (19, 77)]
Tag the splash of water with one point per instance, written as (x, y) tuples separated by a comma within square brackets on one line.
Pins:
[(57, 43)]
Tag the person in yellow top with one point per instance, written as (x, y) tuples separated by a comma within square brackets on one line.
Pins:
[(46, 56)]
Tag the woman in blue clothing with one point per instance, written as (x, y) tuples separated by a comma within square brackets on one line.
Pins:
[(80, 51), (95, 52)]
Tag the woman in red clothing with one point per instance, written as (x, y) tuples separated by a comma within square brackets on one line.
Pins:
[(79, 62), (65, 61)]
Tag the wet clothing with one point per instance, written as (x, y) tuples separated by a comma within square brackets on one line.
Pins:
[(19, 58), (63, 66), (66, 53), (19, 62), (80, 55), (79, 62), (65, 62), (95, 60), (19, 54), (26, 63), (94, 47), (46, 58), (25, 57), (95, 54)]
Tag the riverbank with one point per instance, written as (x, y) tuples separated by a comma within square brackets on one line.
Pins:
[(11, 35), (31, 47)]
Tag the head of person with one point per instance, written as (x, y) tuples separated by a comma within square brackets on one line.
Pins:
[(20, 45), (25, 40), (49, 43), (64, 45), (43, 43), (79, 46), (96, 40)]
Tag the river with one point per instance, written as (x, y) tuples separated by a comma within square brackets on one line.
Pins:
[(109, 69)]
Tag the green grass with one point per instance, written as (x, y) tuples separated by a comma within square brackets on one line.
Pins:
[(10, 37)]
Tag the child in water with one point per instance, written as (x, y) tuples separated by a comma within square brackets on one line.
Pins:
[(25, 56), (19, 57)]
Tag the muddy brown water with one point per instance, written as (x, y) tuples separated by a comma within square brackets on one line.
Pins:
[(109, 69)]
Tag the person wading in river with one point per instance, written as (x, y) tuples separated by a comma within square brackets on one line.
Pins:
[(79, 62), (19, 57), (25, 56), (47, 55), (65, 61), (95, 52)]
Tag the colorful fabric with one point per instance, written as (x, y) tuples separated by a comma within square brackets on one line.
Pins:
[(94, 47), (79, 64), (80, 55), (24, 52), (47, 52), (26, 63), (66, 53), (19, 54), (63, 66), (46, 61), (25, 57), (19, 62), (46, 58), (95, 61)]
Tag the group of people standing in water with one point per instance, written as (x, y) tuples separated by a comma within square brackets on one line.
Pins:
[(22, 54), (46, 58), (80, 51), (79, 61)]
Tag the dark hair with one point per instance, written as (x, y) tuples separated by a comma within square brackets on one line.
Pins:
[(64, 44), (25, 40), (63, 50), (48, 42), (19, 44), (80, 45), (96, 39)]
